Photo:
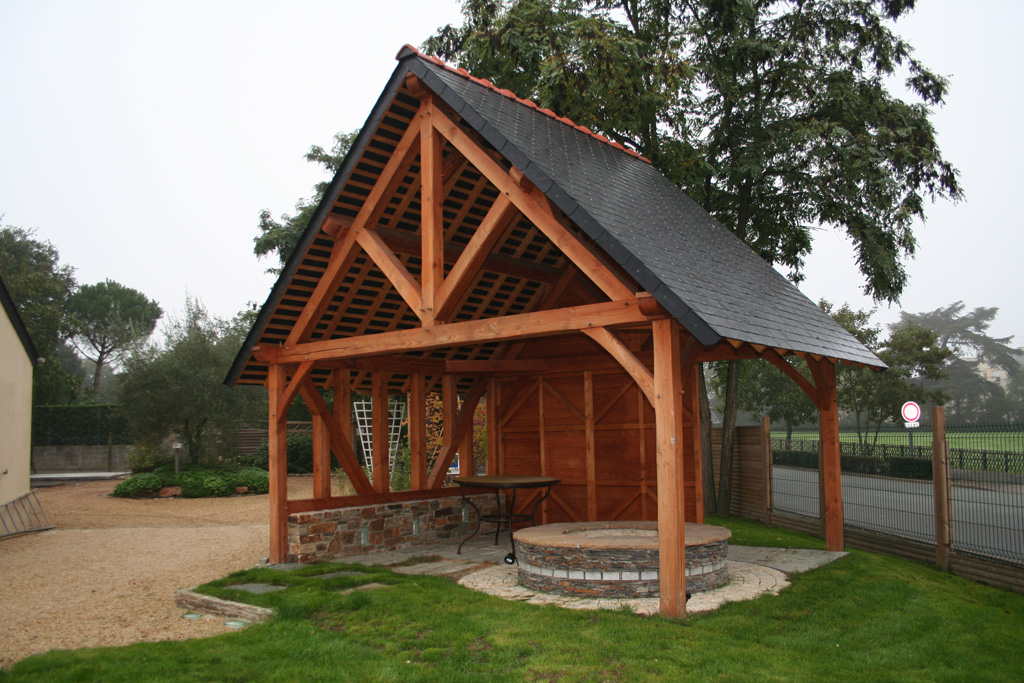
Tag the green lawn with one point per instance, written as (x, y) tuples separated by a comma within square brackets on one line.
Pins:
[(864, 617)]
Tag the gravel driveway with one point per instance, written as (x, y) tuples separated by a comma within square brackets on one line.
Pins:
[(108, 573)]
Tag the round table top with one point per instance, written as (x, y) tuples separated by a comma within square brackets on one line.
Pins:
[(507, 481)]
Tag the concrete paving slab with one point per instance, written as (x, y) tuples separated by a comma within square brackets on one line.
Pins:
[(434, 568)]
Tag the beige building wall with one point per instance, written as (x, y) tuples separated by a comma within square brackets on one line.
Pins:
[(15, 413)]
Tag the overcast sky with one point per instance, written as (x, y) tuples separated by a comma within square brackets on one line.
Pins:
[(143, 138)]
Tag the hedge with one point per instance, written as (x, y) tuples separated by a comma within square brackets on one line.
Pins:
[(79, 425), (196, 481), (904, 468)]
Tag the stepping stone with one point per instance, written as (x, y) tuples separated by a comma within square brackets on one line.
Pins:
[(334, 575), (432, 568), (257, 588), (285, 566)]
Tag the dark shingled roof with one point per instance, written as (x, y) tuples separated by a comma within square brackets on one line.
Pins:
[(708, 279), (712, 282), (19, 326)]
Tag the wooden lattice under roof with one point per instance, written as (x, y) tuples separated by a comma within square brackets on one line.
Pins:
[(521, 269)]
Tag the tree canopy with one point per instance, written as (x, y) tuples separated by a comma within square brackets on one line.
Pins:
[(177, 387), (40, 287), (108, 320), (280, 237), (774, 115)]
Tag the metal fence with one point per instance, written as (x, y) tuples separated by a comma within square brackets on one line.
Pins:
[(888, 487)]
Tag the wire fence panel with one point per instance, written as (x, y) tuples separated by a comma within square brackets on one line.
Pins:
[(888, 487), (986, 465)]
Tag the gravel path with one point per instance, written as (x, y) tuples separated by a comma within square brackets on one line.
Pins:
[(108, 573)]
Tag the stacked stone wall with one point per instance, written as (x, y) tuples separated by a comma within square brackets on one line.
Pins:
[(315, 536)]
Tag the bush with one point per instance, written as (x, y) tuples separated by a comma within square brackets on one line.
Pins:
[(257, 481), (79, 425), (904, 468), (300, 454), (195, 480), (144, 484), (147, 457)]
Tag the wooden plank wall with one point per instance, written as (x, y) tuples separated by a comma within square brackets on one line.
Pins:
[(748, 488), (595, 431)]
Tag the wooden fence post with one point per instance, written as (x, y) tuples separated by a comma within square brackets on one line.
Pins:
[(766, 467), (940, 481)]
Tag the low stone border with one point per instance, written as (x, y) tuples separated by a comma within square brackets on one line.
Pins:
[(219, 607)]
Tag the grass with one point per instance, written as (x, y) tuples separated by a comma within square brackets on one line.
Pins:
[(863, 617)]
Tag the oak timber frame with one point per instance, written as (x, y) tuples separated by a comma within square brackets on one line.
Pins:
[(663, 365)]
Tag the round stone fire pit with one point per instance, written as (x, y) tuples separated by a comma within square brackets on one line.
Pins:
[(614, 559)]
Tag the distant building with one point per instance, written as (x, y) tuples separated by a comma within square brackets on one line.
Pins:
[(17, 358)]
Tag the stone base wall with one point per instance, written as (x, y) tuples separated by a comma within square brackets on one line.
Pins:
[(47, 459), (614, 572), (319, 535)]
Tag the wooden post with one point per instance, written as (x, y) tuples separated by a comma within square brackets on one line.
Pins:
[(380, 441), (449, 414), (830, 473), (940, 481), (766, 469), (590, 443), (418, 431), (467, 458), (277, 445), (341, 392), (432, 221), (321, 457), (493, 436), (668, 421)]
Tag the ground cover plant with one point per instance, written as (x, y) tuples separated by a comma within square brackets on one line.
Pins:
[(196, 481), (864, 617)]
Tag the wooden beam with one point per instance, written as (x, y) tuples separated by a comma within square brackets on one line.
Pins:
[(277, 446), (342, 255), (402, 242), (431, 217), (493, 433), (341, 446), (668, 406), (418, 431), (805, 384), (380, 426), (539, 215), (621, 353), (830, 470), (470, 332), (292, 390), (590, 444), (473, 256), (403, 282), (321, 457), (495, 367), (462, 423)]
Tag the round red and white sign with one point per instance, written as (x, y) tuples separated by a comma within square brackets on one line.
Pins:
[(911, 411)]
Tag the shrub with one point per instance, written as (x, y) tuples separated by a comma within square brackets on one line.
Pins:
[(147, 457), (904, 468), (257, 481), (300, 454), (140, 485)]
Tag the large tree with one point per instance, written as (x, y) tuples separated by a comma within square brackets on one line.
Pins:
[(972, 398), (915, 361), (280, 237), (41, 286), (775, 115), (177, 387), (108, 320)]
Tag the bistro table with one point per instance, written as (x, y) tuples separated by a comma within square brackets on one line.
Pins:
[(499, 483)]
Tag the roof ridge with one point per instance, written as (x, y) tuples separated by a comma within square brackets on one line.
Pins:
[(409, 49)]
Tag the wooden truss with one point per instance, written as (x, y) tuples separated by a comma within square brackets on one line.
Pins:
[(587, 297)]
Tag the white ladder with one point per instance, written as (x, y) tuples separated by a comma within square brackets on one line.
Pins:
[(23, 515)]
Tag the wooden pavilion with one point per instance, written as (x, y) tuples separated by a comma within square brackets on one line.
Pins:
[(475, 244)]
